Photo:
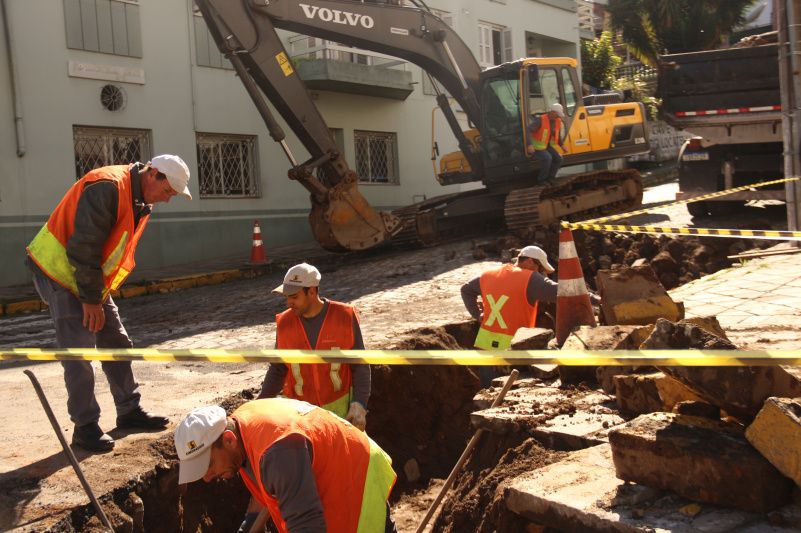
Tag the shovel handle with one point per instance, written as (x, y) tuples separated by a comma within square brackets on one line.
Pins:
[(67, 450)]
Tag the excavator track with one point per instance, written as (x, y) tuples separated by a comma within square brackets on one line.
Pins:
[(575, 197), (567, 199)]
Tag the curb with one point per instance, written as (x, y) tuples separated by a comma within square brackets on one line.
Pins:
[(162, 286)]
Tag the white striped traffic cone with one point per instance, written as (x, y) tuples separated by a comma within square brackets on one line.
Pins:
[(573, 306), (257, 254)]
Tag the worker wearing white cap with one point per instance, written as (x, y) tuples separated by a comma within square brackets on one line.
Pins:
[(312, 322), (545, 134), (509, 298), (85, 251), (312, 470)]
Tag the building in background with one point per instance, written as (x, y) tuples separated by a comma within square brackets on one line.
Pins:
[(87, 83)]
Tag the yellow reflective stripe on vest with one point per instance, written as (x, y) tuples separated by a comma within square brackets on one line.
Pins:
[(298, 378), (489, 340), (336, 379), (114, 258), (51, 256), (495, 310), (377, 485), (341, 405), (540, 144)]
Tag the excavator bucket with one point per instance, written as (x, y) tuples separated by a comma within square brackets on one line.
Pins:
[(634, 296), (346, 221)]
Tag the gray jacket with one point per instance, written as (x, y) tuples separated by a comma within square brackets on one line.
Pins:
[(95, 217)]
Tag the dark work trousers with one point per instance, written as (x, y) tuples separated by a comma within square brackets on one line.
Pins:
[(550, 163), (67, 313)]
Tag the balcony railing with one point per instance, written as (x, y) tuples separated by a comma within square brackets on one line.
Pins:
[(325, 65)]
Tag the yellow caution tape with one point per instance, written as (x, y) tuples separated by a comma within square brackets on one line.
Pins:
[(601, 223), (424, 357)]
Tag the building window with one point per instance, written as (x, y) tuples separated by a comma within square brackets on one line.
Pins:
[(105, 26), (494, 45), (376, 157), (100, 147), (206, 51), (227, 166)]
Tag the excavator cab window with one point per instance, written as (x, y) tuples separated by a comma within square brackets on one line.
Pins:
[(501, 112), (544, 90)]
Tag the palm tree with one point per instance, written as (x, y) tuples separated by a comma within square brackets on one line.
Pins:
[(652, 27)]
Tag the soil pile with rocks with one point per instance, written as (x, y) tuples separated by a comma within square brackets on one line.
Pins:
[(675, 260), (475, 503)]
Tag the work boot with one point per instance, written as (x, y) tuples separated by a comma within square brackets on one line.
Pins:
[(91, 437), (139, 418)]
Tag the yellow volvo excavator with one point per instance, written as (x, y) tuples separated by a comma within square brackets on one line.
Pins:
[(499, 104)]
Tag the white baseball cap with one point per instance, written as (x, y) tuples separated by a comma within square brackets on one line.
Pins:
[(176, 171), (537, 253), (558, 109), (194, 438), (297, 277)]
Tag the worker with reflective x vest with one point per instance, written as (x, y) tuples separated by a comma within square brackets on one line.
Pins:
[(545, 134), (313, 471), (312, 322), (85, 251), (509, 297)]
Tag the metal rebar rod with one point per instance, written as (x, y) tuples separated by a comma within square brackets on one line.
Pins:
[(67, 450)]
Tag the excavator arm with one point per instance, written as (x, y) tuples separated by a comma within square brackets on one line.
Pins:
[(245, 31)]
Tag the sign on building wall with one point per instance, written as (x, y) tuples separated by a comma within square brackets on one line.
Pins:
[(77, 69)]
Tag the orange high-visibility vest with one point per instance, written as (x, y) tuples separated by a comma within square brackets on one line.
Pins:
[(506, 307), (539, 138), (327, 385), (49, 248), (354, 476)]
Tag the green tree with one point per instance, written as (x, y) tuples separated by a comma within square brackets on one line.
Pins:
[(652, 27), (599, 61)]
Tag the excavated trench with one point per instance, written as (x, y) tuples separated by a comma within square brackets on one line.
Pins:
[(419, 415)]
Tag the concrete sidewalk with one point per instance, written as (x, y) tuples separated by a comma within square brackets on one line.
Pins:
[(759, 294)]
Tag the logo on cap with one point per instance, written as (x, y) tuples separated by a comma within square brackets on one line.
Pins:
[(295, 278), (192, 447)]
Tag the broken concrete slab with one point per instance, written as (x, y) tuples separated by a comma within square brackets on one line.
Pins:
[(638, 393), (776, 434), (634, 295), (699, 459), (601, 338), (673, 391), (582, 493), (708, 323), (532, 339), (740, 391), (560, 419)]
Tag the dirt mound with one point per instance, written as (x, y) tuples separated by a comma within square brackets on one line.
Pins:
[(476, 504)]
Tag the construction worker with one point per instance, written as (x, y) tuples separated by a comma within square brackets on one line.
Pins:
[(84, 251), (545, 134), (312, 322), (508, 300), (312, 471)]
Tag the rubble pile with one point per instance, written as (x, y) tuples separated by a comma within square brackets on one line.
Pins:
[(675, 260), (667, 448)]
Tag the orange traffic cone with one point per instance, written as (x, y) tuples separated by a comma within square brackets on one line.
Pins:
[(573, 306), (257, 255)]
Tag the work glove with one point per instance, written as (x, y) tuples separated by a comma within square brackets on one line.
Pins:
[(247, 523), (357, 415)]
